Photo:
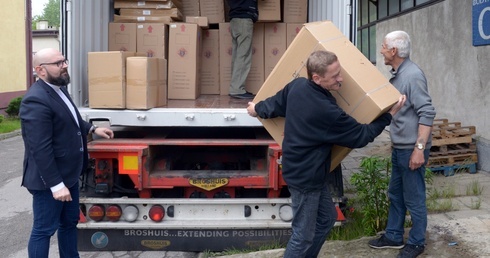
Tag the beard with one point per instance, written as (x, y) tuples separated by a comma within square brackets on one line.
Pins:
[(62, 80)]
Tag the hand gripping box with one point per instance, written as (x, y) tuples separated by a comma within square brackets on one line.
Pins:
[(365, 93)]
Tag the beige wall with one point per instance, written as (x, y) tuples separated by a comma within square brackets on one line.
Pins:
[(12, 47)]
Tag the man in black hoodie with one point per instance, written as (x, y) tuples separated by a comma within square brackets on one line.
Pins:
[(314, 123), (243, 14)]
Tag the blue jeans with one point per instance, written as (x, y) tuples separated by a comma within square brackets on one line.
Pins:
[(51, 215), (314, 217), (407, 192), (242, 30)]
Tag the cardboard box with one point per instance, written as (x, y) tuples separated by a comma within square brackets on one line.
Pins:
[(365, 93), (291, 31), (274, 45), (107, 79), (213, 9), (225, 53), (142, 19), (152, 38), (210, 62), (190, 8), (199, 20), (122, 37), (295, 11), (154, 4), (173, 13), (269, 10), (146, 82), (184, 62)]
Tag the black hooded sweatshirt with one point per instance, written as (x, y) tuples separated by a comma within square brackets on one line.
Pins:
[(313, 124), (243, 9)]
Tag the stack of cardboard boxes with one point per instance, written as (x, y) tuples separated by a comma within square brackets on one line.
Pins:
[(194, 37)]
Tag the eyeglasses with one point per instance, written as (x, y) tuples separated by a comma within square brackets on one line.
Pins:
[(57, 63)]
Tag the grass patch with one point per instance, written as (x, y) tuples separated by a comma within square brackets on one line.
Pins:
[(9, 125), (440, 205), (475, 205), (474, 188), (351, 229)]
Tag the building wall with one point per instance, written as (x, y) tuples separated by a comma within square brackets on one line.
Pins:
[(39, 43), (457, 72), (12, 51)]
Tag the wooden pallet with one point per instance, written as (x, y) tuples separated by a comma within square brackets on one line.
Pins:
[(450, 133), (450, 160), (450, 170), (452, 149)]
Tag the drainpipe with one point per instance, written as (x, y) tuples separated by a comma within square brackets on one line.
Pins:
[(28, 18)]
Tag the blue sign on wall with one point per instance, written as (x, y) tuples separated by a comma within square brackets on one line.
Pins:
[(481, 22)]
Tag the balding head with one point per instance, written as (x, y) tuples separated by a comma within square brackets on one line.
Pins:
[(51, 66), (46, 55)]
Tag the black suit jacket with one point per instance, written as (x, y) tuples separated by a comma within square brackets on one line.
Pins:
[(55, 146)]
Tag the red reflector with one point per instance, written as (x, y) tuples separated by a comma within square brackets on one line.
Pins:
[(96, 212), (113, 213), (156, 213)]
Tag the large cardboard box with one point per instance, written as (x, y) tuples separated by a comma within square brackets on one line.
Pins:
[(365, 92), (295, 11), (269, 10), (152, 38), (122, 36), (146, 82), (184, 61), (210, 62), (213, 9), (274, 45), (107, 79)]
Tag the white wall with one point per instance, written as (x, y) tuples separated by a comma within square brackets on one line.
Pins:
[(39, 43)]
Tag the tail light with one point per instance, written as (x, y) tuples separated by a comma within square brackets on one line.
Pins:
[(113, 213), (96, 212), (156, 213), (130, 213)]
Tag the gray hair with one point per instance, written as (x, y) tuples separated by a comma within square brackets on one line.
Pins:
[(401, 41)]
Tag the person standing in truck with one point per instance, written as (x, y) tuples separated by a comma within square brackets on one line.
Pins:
[(55, 141), (313, 124), (411, 137), (243, 14)]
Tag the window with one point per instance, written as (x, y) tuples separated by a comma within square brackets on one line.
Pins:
[(371, 12)]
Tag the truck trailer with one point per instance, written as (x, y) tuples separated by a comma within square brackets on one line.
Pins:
[(193, 175)]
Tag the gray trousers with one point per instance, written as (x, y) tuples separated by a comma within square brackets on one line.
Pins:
[(241, 58)]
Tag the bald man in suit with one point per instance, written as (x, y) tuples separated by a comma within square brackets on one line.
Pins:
[(55, 140)]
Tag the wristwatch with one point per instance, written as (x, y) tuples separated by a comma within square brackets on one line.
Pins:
[(92, 129), (420, 146)]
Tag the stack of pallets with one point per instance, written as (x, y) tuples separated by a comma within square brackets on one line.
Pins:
[(453, 148)]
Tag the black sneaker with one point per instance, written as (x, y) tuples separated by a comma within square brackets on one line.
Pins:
[(383, 242), (411, 251), (246, 95)]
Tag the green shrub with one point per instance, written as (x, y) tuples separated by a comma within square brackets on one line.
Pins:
[(371, 184), (1, 118), (13, 107)]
